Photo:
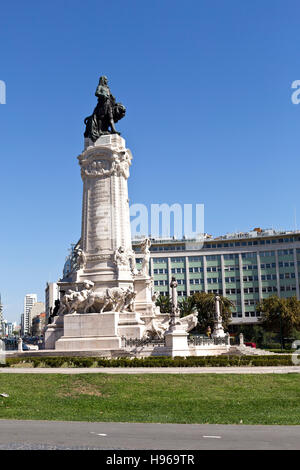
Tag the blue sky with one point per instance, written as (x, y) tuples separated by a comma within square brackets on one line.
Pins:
[(207, 86)]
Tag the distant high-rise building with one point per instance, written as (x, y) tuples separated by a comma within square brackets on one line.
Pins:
[(2, 326), (29, 301), (36, 311)]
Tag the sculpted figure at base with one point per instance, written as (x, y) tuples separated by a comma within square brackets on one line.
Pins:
[(115, 299), (145, 249), (80, 258), (106, 113), (155, 308), (72, 300), (121, 257), (156, 329)]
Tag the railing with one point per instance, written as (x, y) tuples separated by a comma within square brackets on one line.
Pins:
[(205, 341), (130, 343)]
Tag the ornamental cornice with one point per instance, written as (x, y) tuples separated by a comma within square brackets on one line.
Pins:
[(106, 164)]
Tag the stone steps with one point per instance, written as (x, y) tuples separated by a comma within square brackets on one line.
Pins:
[(247, 351)]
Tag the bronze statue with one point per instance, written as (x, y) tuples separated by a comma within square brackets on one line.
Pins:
[(106, 113)]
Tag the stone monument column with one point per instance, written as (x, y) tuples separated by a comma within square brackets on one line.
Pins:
[(105, 234), (218, 327), (176, 337)]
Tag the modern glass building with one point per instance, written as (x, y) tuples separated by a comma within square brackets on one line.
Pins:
[(245, 267)]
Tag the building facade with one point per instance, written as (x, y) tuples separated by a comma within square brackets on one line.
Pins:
[(2, 326), (245, 267), (29, 301)]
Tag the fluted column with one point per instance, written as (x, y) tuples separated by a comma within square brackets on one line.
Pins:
[(105, 211)]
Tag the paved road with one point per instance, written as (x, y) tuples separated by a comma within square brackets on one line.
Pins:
[(153, 370), (128, 436)]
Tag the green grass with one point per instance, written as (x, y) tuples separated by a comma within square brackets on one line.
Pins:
[(205, 398)]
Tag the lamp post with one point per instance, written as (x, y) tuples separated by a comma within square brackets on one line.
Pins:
[(280, 326), (174, 310)]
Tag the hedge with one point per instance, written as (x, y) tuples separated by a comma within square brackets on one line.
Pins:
[(158, 361)]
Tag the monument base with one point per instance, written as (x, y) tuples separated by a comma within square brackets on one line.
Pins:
[(54, 331), (218, 330), (90, 332), (176, 342), (130, 325)]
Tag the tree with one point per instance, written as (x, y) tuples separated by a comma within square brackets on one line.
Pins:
[(206, 307), (280, 315), (165, 303), (186, 306)]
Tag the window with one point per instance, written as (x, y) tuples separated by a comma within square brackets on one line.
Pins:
[(195, 258), (231, 256), (249, 255)]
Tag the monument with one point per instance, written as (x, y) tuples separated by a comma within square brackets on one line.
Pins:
[(106, 297), (218, 331)]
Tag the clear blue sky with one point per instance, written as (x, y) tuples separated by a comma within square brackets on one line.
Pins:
[(207, 86)]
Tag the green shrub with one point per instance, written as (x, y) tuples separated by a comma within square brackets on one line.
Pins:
[(155, 361)]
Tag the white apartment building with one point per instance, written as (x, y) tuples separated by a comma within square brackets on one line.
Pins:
[(29, 301)]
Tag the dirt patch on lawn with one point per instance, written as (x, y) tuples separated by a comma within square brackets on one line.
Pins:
[(78, 388)]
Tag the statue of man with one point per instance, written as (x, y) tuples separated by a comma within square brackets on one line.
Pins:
[(105, 104), (106, 113)]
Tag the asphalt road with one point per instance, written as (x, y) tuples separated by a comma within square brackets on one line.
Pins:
[(55, 435)]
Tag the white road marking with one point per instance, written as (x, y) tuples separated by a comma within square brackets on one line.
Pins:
[(212, 437)]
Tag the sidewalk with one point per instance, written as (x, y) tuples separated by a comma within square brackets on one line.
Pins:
[(153, 370)]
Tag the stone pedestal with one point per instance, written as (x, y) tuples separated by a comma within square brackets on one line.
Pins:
[(105, 212), (90, 332), (143, 285), (218, 331), (20, 344), (130, 325), (105, 257), (54, 331), (176, 342), (218, 327)]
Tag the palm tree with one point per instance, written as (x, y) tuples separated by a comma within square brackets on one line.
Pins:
[(206, 307), (165, 303), (186, 306)]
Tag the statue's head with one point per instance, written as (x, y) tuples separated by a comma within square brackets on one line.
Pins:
[(103, 80), (88, 284)]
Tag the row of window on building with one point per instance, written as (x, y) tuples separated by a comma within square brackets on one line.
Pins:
[(233, 291), (211, 269), (226, 244), (232, 279)]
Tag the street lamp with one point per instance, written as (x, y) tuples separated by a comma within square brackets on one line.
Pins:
[(280, 326)]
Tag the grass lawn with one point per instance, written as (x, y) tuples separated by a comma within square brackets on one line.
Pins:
[(207, 398)]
